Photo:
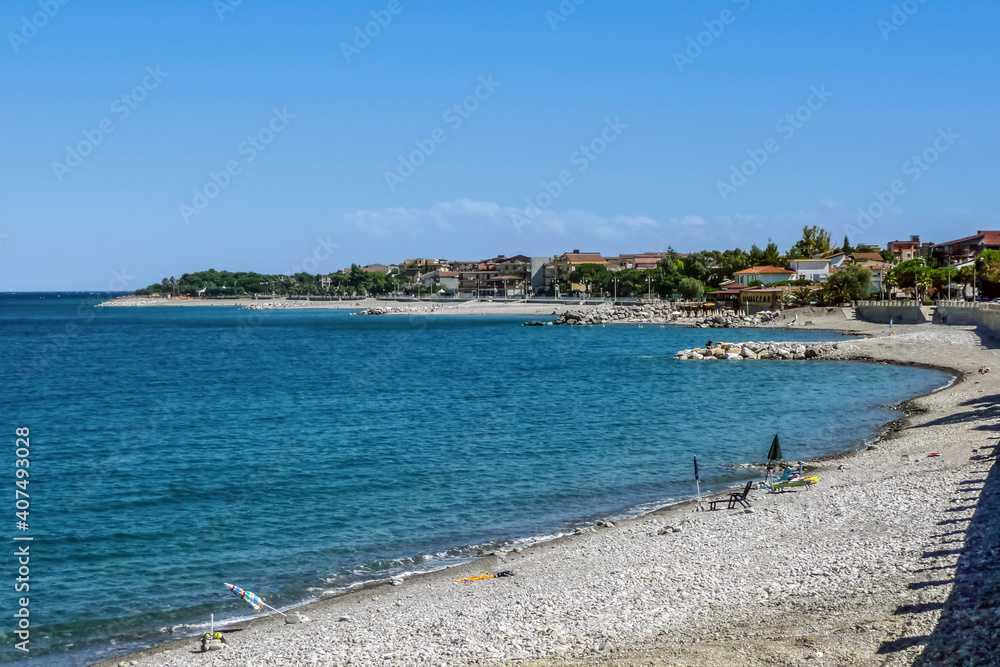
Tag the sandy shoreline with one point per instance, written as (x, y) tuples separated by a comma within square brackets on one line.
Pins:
[(827, 568)]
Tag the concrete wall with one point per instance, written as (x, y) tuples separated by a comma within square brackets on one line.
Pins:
[(900, 312), (985, 316)]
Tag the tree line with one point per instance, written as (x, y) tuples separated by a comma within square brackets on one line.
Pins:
[(214, 283)]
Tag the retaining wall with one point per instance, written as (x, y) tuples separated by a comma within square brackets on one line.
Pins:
[(985, 316), (900, 312)]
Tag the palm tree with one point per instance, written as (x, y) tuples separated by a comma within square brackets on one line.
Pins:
[(804, 295), (836, 293), (927, 280)]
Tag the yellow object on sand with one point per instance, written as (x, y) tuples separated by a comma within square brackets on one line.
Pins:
[(482, 576), (800, 482)]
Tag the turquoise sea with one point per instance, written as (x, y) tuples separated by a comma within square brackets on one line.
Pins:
[(298, 453)]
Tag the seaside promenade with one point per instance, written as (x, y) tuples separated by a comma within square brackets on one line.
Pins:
[(889, 560)]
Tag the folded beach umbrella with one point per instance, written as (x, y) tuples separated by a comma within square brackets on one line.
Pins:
[(250, 598), (773, 454)]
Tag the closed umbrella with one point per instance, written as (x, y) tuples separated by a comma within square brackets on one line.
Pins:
[(773, 454)]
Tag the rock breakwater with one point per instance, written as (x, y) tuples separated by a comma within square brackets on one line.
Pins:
[(764, 350), (731, 320), (620, 315), (396, 310)]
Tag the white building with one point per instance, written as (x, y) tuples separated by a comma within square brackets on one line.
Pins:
[(817, 270)]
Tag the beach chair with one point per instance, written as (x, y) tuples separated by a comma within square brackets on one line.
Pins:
[(734, 499)]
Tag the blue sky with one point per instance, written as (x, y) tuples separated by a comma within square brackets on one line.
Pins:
[(643, 125)]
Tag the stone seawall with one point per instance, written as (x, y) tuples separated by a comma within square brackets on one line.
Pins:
[(881, 312), (985, 316)]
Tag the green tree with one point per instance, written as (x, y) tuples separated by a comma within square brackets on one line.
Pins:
[(691, 289), (988, 273), (815, 240), (804, 295), (772, 256), (851, 282), (595, 276), (908, 275)]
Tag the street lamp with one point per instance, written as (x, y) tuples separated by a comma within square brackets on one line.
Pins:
[(615, 281), (649, 287)]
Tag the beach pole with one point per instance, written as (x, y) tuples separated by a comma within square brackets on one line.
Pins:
[(697, 481), (273, 609), (211, 630)]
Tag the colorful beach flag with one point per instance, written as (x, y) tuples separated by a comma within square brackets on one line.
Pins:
[(250, 598)]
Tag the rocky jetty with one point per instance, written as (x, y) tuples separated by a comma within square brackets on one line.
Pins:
[(653, 312), (130, 301), (768, 350), (396, 310), (731, 320)]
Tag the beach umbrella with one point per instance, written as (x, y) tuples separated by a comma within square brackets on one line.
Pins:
[(773, 454), (250, 598)]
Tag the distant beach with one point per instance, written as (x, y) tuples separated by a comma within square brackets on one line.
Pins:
[(860, 568)]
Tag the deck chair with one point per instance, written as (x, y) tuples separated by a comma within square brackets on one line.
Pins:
[(735, 498)]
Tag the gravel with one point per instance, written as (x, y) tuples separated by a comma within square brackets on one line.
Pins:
[(857, 569)]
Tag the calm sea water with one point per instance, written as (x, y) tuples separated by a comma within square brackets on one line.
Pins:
[(296, 453)]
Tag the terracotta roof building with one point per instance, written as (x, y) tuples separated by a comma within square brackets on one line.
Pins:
[(764, 274), (965, 250)]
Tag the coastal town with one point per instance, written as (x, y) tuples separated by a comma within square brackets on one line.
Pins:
[(759, 280)]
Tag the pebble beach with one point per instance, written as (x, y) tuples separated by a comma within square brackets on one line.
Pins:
[(888, 560)]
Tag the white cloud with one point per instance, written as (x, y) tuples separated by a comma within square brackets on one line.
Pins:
[(830, 204), (476, 216)]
